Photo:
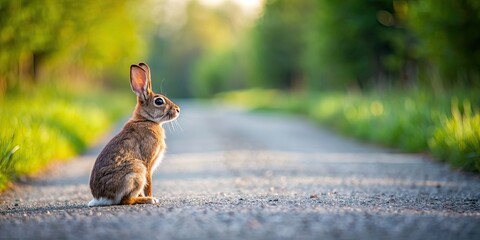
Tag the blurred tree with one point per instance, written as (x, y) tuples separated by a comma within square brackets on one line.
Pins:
[(212, 72), (187, 56), (221, 71), (360, 43), (40, 39), (449, 35), (277, 43)]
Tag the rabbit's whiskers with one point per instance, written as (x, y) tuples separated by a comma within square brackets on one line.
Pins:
[(175, 126), (178, 125), (172, 128)]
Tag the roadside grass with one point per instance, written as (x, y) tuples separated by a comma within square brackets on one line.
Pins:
[(446, 125), (51, 124)]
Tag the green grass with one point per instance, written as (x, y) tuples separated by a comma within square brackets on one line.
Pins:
[(447, 125), (457, 139), (51, 124)]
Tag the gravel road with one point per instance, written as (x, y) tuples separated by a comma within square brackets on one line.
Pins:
[(232, 174)]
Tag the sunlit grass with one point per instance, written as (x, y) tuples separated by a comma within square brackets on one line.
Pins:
[(457, 140), (392, 119), (53, 124), (414, 121)]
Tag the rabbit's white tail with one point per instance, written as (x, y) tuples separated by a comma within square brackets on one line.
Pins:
[(100, 202)]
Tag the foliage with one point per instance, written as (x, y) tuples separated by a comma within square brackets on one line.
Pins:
[(64, 38), (458, 139), (449, 35), (355, 43), (203, 40), (52, 123), (320, 45), (415, 120), (53, 54), (326, 44), (211, 74), (278, 41)]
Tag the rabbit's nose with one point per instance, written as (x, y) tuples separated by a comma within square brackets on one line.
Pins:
[(177, 109)]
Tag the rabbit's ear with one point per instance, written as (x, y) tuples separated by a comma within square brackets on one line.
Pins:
[(145, 67), (139, 82)]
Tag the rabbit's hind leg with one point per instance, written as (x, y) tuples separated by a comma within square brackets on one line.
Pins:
[(132, 193)]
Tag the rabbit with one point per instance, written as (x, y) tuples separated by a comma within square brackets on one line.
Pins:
[(122, 173)]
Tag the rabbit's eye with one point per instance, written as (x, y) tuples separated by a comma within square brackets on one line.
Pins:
[(159, 101)]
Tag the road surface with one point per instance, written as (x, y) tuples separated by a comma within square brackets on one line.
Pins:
[(233, 174)]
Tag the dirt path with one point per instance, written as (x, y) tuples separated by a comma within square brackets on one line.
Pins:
[(233, 174)]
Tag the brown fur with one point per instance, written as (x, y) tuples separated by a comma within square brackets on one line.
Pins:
[(122, 173)]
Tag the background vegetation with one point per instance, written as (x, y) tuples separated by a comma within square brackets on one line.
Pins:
[(53, 124), (401, 73), (60, 63), (410, 66)]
